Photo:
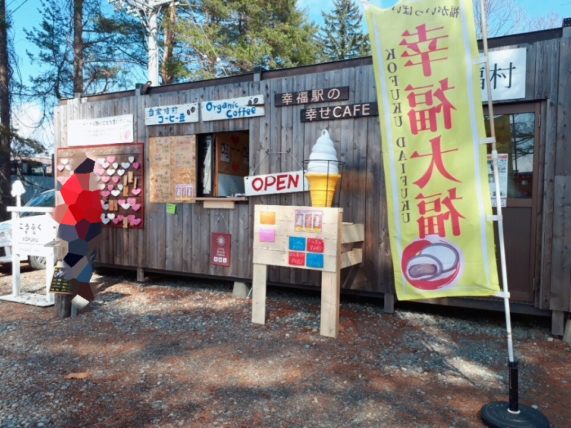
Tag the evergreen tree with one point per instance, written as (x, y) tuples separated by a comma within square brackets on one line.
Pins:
[(341, 36), (223, 37), (111, 46)]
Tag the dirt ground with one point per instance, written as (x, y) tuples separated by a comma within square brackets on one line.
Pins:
[(181, 352)]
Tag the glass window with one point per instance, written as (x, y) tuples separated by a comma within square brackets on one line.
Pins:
[(515, 135)]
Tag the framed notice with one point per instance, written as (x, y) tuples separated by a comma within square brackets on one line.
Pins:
[(172, 169), (103, 130)]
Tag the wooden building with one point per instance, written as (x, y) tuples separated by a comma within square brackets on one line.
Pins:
[(265, 122)]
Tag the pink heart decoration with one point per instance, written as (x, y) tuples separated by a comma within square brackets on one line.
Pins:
[(125, 165), (65, 161), (115, 165), (136, 191), (110, 159), (115, 179), (135, 207), (120, 217), (132, 200), (136, 165), (105, 178), (110, 187), (105, 193), (105, 164), (111, 215), (110, 171), (101, 186), (125, 206), (135, 222), (115, 192), (105, 219), (121, 171), (120, 201), (131, 159), (98, 170), (116, 220), (60, 167)]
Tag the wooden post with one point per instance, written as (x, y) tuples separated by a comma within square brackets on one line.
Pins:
[(259, 293), (62, 305), (330, 296)]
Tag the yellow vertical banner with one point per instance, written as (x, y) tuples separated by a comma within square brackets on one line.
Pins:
[(425, 58)]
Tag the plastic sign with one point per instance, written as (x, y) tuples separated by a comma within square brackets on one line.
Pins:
[(270, 184), (233, 108), (103, 130), (507, 74), (172, 114), (31, 234)]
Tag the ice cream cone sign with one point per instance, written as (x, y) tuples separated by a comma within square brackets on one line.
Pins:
[(323, 171)]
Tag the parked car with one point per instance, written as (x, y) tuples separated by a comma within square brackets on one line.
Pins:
[(44, 199)]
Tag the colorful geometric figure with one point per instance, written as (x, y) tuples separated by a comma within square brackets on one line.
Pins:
[(85, 167)]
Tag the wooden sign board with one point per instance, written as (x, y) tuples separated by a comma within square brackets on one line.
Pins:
[(300, 237), (312, 96), (31, 234), (233, 108), (347, 111), (172, 169), (171, 114)]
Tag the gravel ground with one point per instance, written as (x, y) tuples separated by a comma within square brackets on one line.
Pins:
[(180, 352)]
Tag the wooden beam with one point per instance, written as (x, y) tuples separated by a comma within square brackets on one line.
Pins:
[(352, 232), (330, 297), (259, 293), (351, 258)]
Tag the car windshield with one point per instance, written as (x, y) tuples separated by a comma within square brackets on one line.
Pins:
[(45, 199)]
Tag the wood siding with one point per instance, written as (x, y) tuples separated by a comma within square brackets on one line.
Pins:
[(279, 141)]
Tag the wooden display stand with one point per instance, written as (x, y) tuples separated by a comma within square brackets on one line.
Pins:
[(304, 238)]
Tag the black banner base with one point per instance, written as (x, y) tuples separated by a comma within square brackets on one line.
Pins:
[(497, 415)]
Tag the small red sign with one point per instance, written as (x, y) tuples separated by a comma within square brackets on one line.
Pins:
[(296, 258), (315, 245), (220, 249)]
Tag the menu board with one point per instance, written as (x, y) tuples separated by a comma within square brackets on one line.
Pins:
[(172, 169)]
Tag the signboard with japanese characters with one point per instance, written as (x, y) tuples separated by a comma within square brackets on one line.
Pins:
[(347, 111), (103, 130), (432, 125), (270, 184), (312, 96), (172, 169), (171, 115), (232, 108), (300, 237), (507, 74), (32, 233), (220, 249)]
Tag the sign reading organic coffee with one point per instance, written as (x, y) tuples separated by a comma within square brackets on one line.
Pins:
[(312, 96), (347, 111), (173, 114), (103, 130), (507, 74), (269, 184), (232, 108)]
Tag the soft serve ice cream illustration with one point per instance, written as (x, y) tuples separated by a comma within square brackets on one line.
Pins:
[(323, 171)]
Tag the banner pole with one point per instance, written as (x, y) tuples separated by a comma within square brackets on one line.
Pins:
[(501, 414)]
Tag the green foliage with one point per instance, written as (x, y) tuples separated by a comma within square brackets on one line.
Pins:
[(219, 37), (341, 36), (112, 45)]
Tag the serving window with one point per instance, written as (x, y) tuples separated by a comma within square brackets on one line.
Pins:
[(223, 162)]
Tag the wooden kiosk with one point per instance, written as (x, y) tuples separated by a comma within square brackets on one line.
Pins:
[(305, 238)]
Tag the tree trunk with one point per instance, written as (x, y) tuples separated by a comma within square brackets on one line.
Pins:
[(77, 47), (166, 69), (5, 197)]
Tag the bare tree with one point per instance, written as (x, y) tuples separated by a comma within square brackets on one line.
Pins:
[(77, 47)]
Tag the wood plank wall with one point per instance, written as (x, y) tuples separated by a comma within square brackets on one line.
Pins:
[(279, 141)]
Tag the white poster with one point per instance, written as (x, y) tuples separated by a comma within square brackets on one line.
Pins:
[(507, 74), (103, 130), (232, 108), (503, 178), (171, 114)]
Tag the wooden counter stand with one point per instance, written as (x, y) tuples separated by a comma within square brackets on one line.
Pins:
[(304, 238)]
